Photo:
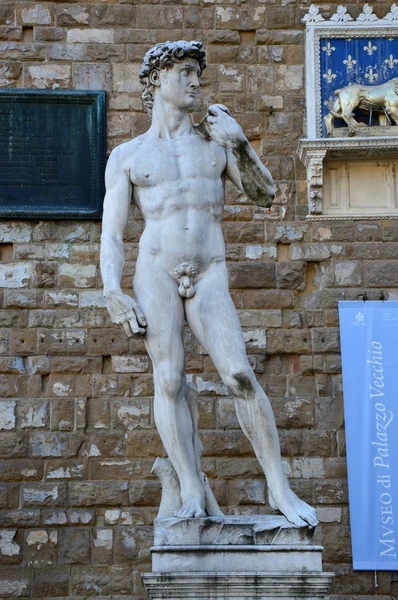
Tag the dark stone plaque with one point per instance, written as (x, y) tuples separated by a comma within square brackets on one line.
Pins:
[(52, 154)]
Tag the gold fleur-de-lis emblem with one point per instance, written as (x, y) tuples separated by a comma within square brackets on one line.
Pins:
[(371, 74), (328, 48), (391, 61), (329, 103), (350, 63), (369, 48), (329, 76)]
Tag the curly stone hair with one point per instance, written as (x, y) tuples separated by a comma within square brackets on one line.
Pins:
[(163, 56)]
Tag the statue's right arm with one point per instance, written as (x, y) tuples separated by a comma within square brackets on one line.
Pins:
[(122, 308)]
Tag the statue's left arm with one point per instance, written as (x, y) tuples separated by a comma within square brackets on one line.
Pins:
[(244, 168)]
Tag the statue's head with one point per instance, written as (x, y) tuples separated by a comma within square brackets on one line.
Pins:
[(170, 56)]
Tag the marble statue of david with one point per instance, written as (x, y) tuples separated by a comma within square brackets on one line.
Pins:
[(175, 173)]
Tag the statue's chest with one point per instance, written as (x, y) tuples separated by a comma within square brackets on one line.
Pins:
[(167, 162)]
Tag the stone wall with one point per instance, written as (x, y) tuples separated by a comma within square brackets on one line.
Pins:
[(78, 439)]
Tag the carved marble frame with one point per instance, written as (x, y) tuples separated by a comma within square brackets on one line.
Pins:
[(314, 149)]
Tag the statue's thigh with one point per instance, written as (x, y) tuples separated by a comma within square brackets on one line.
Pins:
[(213, 319), (157, 295)]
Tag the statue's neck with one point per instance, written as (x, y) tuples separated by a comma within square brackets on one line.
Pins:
[(169, 122)]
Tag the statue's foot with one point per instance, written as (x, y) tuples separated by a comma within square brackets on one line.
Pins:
[(295, 510), (191, 508)]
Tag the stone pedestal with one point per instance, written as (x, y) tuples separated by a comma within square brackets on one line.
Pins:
[(249, 557)]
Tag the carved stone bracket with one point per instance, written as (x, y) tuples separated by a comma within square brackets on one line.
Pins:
[(313, 160)]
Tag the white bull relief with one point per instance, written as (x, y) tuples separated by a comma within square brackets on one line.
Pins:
[(382, 99)]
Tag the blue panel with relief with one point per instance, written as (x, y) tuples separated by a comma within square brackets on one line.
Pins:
[(369, 61)]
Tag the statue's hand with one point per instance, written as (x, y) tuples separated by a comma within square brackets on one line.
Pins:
[(124, 310), (223, 128)]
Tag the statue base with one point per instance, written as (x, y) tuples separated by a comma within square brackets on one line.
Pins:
[(223, 557)]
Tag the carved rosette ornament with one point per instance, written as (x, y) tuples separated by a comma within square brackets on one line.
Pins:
[(315, 201)]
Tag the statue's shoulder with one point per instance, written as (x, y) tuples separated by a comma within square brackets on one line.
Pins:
[(126, 153)]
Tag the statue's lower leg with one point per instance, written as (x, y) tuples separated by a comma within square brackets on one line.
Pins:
[(257, 421), (174, 423)]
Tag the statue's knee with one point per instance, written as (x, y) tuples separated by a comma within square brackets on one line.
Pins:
[(241, 382), (170, 384)]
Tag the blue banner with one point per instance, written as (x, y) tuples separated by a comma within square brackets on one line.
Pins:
[(369, 344)]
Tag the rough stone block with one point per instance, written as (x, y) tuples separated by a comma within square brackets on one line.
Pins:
[(44, 494), (86, 36), (10, 549), (103, 580), (90, 77), (131, 414), (144, 444), (144, 493), (18, 51), (15, 583), (281, 17), (338, 548), (109, 493), (381, 273), (126, 544), (92, 299), (62, 414), (54, 444), (13, 445), (325, 339), (103, 444), (41, 547), (247, 491), (59, 341), (348, 273), (33, 414), (310, 252), (74, 546), (40, 14), (125, 77), (76, 275), (51, 582), (292, 412), (249, 275), (227, 17), (288, 77), (288, 341), (330, 492), (159, 17), (16, 275), (48, 76), (11, 34), (73, 15), (107, 342), (7, 414), (61, 51), (231, 78), (7, 14), (291, 275), (102, 546), (113, 15)]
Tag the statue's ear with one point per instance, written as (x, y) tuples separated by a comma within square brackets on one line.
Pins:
[(154, 77)]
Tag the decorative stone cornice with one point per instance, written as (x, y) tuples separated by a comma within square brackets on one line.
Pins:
[(314, 152), (342, 17), (306, 148)]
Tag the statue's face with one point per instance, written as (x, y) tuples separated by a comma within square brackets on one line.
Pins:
[(179, 84)]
